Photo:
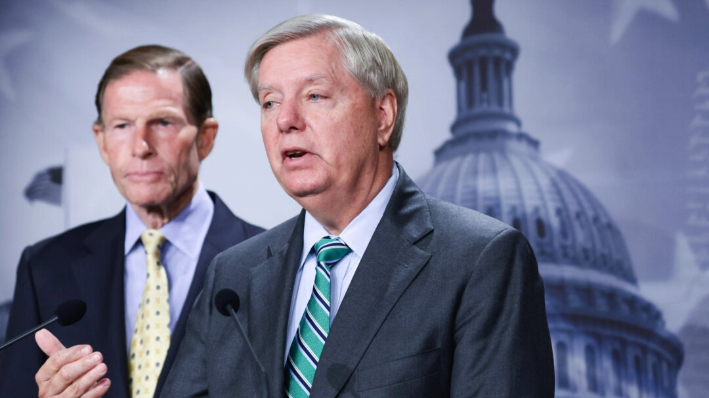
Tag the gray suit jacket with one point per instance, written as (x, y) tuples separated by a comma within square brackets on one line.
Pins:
[(445, 302)]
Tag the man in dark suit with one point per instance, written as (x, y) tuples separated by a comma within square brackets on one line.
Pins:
[(154, 128), (375, 289)]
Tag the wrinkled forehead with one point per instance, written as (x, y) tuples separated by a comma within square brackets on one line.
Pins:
[(143, 77), (310, 59), (325, 42), (142, 88)]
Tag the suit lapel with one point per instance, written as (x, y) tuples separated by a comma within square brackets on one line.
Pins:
[(388, 266), (269, 302), (99, 276), (225, 231)]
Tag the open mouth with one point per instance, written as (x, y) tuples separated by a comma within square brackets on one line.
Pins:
[(295, 154)]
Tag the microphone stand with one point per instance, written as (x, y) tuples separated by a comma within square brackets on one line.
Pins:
[(264, 380), (29, 332)]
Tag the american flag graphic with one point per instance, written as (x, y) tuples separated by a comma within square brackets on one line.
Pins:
[(46, 186)]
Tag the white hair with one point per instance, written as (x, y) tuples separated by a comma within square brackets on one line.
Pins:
[(365, 56)]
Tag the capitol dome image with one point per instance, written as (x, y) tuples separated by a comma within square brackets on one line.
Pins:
[(607, 339)]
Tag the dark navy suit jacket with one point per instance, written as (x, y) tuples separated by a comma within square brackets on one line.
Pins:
[(87, 263), (445, 302)]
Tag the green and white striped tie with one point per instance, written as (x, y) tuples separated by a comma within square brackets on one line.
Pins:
[(314, 326)]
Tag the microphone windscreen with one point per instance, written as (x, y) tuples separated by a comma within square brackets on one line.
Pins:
[(69, 312), (225, 297)]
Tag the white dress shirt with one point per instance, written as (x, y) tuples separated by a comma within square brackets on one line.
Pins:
[(356, 235), (184, 236)]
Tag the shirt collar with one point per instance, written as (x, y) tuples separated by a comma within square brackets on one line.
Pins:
[(183, 231), (360, 230)]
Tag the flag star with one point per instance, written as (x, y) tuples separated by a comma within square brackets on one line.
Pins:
[(683, 290), (624, 12), (9, 41)]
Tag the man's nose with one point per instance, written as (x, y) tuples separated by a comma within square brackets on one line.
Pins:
[(142, 141), (290, 117)]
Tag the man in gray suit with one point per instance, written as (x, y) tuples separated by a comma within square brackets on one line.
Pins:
[(375, 289)]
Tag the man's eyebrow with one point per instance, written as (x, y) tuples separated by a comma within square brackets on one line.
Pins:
[(160, 114), (263, 87), (163, 114), (115, 117), (315, 78)]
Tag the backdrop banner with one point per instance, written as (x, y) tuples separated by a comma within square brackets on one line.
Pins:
[(584, 124)]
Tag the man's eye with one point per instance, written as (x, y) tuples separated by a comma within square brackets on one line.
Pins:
[(164, 123), (314, 97), (121, 126), (268, 104)]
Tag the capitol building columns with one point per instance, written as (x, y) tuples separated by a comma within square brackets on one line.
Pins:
[(608, 340)]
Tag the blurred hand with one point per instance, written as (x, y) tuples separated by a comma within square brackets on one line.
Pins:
[(70, 372)]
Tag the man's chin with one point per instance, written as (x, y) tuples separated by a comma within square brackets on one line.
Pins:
[(156, 199), (304, 183), (304, 190), (304, 193)]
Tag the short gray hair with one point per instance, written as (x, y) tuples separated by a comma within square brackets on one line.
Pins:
[(365, 56)]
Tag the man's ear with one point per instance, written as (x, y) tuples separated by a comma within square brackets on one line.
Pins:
[(100, 137), (387, 107), (206, 136)]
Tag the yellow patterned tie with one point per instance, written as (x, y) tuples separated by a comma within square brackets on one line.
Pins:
[(151, 336)]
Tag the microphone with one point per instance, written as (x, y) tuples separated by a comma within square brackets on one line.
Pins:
[(68, 313), (227, 302)]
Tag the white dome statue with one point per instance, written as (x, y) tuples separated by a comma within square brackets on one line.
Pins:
[(607, 339)]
